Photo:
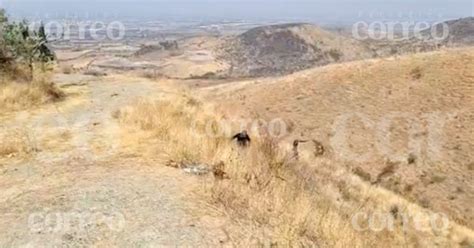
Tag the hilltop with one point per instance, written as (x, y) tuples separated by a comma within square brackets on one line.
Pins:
[(283, 49), (461, 31)]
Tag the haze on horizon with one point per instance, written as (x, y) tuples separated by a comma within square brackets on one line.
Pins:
[(320, 11)]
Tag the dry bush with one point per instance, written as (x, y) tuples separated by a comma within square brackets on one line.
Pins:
[(17, 96), (16, 142), (95, 72), (416, 73), (67, 69), (263, 184), (151, 74), (207, 75), (178, 124), (15, 72), (300, 204)]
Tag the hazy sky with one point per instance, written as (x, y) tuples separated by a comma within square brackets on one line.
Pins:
[(325, 11)]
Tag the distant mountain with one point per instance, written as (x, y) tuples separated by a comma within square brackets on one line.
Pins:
[(461, 31), (283, 49)]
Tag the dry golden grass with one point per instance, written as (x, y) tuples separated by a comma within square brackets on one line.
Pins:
[(18, 96), (175, 125), (151, 74), (16, 142), (300, 204), (14, 72), (440, 82)]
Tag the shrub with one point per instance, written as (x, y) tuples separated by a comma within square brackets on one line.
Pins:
[(67, 69), (260, 183), (416, 73), (18, 96), (21, 45), (335, 54), (207, 75), (298, 203)]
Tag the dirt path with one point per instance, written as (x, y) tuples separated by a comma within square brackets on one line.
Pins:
[(77, 189)]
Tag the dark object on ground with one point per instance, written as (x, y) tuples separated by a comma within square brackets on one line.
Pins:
[(95, 73), (219, 172), (169, 45), (296, 143), (243, 138), (387, 171), (319, 148)]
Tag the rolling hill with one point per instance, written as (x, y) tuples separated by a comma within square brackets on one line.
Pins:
[(461, 31), (378, 96), (283, 49)]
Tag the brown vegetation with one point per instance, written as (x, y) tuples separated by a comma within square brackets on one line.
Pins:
[(16, 142), (299, 203), (414, 85), (16, 95)]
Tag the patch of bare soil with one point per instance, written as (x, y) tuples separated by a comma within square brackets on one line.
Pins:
[(74, 185)]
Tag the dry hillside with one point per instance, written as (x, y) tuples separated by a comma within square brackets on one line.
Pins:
[(461, 31), (421, 91), (452, 33), (282, 49)]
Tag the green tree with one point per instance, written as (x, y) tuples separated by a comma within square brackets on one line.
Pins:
[(3, 16), (26, 46), (4, 59), (45, 54)]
